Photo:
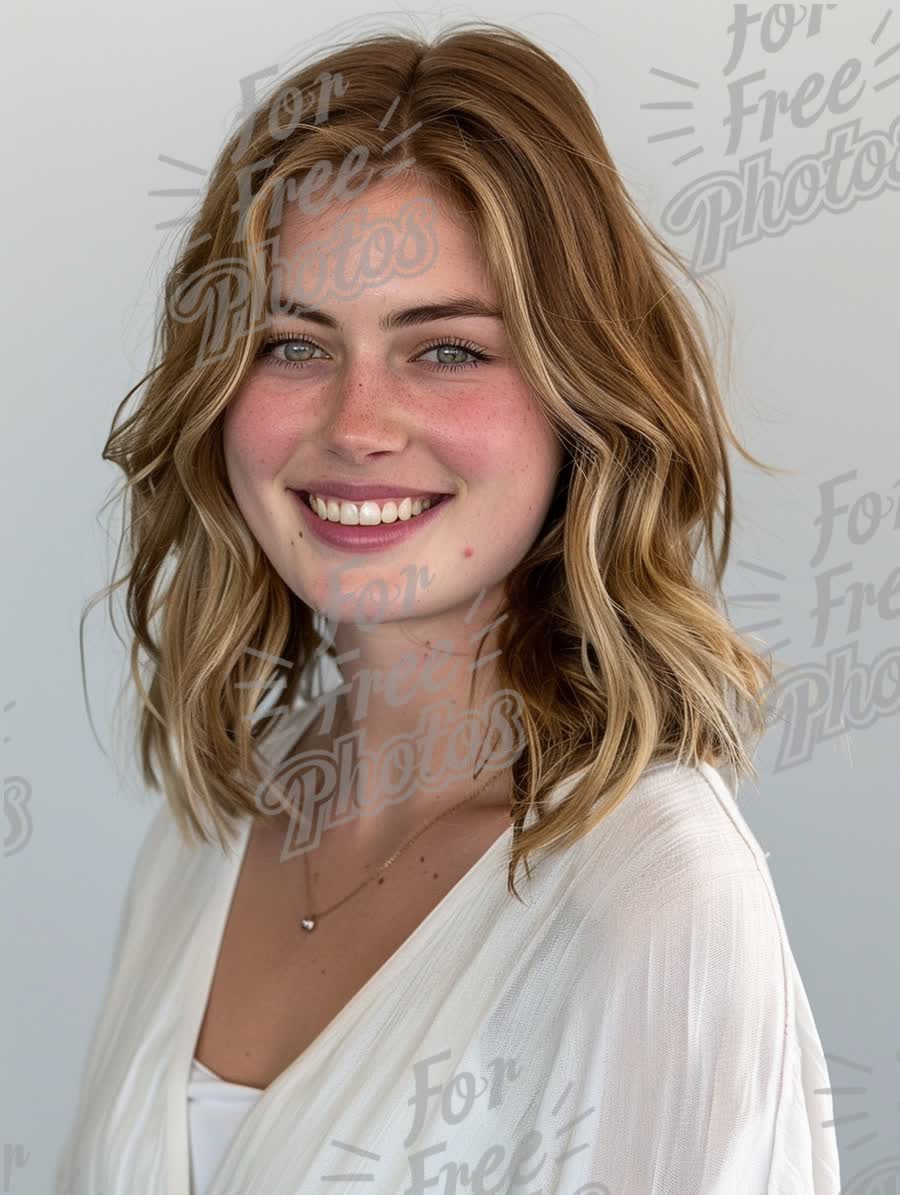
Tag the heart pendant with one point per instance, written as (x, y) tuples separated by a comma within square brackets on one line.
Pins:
[(308, 924)]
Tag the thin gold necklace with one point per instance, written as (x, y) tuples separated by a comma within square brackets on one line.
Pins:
[(310, 922)]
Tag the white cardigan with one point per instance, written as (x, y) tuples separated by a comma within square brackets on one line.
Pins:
[(636, 1027)]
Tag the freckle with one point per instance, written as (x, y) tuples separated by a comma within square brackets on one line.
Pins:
[(435, 876), (467, 552)]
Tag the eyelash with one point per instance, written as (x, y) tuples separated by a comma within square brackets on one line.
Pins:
[(445, 342)]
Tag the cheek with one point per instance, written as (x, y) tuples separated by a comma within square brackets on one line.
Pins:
[(507, 455), (257, 436), (483, 435)]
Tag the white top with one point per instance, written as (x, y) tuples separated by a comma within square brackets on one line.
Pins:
[(636, 1022), (215, 1110)]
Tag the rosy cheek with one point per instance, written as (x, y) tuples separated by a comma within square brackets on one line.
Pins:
[(258, 432), (482, 433)]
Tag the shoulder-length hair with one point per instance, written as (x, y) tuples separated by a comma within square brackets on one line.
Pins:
[(618, 653)]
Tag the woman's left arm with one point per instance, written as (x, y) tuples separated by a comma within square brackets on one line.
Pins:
[(705, 1070)]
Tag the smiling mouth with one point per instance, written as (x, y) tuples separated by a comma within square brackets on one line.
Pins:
[(370, 512)]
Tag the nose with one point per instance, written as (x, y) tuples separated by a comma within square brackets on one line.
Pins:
[(364, 410)]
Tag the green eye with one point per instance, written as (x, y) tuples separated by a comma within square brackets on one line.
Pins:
[(266, 352), (479, 355)]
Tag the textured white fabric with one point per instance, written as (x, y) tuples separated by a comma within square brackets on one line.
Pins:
[(215, 1111), (635, 1026)]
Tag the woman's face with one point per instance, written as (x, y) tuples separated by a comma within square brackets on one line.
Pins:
[(350, 400)]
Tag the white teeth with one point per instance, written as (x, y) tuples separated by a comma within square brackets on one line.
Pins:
[(368, 514)]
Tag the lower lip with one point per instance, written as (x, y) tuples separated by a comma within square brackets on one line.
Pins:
[(367, 539)]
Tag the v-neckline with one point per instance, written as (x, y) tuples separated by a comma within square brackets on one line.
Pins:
[(214, 924)]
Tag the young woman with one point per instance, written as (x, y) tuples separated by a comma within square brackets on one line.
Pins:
[(430, 414)]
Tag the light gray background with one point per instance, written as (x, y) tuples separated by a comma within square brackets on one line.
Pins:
[(94, 93)]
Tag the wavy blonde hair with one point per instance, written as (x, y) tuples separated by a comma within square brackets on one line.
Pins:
[(619, 654)]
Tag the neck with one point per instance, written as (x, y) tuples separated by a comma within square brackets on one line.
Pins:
[(424, 708)]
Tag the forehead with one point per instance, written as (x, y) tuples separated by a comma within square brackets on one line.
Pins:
[(404, 217)]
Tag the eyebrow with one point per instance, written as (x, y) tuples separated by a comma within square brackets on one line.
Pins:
[(405, 317)]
